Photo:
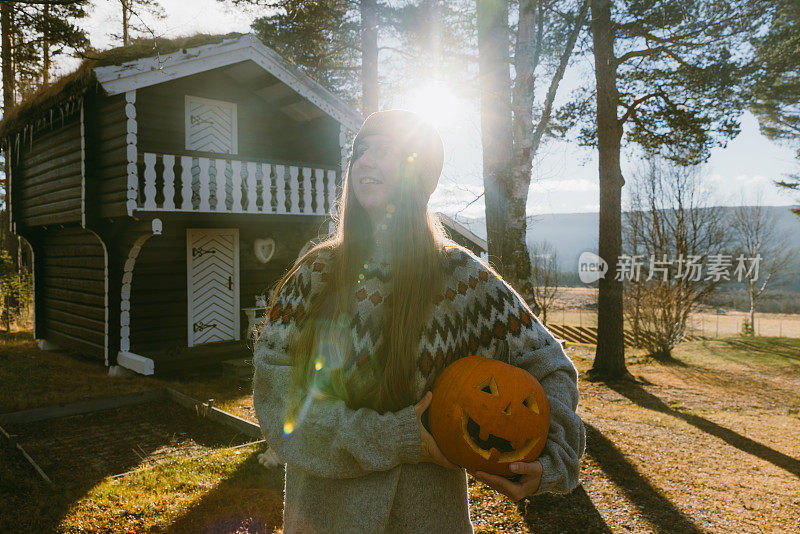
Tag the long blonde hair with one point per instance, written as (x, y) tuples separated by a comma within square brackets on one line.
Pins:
[(321, 351)]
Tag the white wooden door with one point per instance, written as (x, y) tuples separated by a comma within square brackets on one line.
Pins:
[(212, 268), (211, 125)]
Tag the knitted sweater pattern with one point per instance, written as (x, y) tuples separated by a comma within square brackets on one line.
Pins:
[(357, 470)]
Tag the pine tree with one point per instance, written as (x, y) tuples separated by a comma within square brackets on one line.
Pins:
[(667, 78), (776, 79)]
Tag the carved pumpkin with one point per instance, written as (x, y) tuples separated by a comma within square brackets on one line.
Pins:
[(486, 414)]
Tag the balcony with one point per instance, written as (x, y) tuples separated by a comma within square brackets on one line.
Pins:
[(183, 183)]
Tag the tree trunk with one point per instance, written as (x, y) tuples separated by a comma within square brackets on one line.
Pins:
[(8, 75), (496, 130), (126, 14), (753, 306), (369, 56), (9, 243), (609, 359), (517, 263), (46, 50)]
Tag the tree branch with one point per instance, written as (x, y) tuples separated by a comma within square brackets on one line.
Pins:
[(632, 107), (640, 53)]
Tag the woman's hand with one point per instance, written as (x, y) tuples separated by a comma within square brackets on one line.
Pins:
[(527, 485), (429, 450)]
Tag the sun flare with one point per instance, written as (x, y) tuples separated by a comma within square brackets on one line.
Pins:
[(436, 102)]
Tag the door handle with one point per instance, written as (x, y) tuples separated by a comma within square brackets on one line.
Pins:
[(230, 282)]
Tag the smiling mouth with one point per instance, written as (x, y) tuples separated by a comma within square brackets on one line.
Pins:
[(369, 181), (491, 447)]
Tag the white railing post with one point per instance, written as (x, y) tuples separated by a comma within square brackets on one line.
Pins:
[(331, 191), (252, 207), (169, 181), (219, 166), (266, 188), (186, 183), (294, 190), (149, 181), (319, 184), (236, 186), (205, 183), (280, 186), (307, 171)]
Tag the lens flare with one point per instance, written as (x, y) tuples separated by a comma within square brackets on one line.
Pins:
[(437, 103), (288, 427)]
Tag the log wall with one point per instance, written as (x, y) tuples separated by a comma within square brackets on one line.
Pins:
[(106, 141), (46, 181), (73, 292)]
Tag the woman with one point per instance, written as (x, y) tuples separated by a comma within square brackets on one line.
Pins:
[(358, 331)]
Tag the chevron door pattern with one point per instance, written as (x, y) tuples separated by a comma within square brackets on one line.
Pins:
[(211, 125), (213, 284)]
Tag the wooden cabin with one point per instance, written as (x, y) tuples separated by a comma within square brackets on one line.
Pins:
[(163, 187), (162, 190)]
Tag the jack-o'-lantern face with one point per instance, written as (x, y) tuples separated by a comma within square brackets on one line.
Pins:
[(486, 414)]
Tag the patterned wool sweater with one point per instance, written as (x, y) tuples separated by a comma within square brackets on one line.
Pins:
[(359, 471)]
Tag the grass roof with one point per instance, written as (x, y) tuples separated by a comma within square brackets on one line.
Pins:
[(83, 79)]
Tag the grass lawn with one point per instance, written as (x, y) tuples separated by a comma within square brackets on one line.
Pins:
[(707, 443)]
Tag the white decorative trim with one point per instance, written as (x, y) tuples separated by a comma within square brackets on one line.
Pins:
[(125, 293), (136, 363), (105, 295), (9, 198), (149, 71), (463, 230), (48, 345), (83, 174), (132, 151), (343, 149)]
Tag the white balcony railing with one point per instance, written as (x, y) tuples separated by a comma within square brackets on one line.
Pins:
[(220, 185)]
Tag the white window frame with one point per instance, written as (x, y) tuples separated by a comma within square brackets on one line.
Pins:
[(222, 103)]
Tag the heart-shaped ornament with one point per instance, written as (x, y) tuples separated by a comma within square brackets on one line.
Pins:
[(264, 249)]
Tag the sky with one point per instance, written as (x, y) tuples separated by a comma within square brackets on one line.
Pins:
[(564, 176)]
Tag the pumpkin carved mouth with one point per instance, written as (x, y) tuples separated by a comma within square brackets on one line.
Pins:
[(474, 432), (493, 447)]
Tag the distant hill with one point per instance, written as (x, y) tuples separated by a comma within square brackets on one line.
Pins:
[(574, 233)]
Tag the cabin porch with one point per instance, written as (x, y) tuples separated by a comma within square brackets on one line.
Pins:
[(195, 183)]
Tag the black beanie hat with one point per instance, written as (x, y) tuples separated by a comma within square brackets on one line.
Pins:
[(418, 139)]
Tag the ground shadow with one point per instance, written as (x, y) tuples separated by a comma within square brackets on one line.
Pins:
[(776, 347), (78, 452), (249, 501), (573, 512), (638, 395), (663, 515)]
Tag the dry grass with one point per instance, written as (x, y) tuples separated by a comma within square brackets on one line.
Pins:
[(577, 306), (707, 443)]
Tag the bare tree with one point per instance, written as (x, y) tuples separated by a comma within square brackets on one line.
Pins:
[(544, 279), (762, 252), (671, 233)]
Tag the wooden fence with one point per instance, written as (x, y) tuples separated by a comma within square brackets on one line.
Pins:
[(588, 334)]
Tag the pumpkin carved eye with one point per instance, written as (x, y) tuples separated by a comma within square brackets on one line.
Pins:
[(489, 386), (487, 429), (531, 404)]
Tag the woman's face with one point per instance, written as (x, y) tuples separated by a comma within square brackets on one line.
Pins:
[(375, 173)]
